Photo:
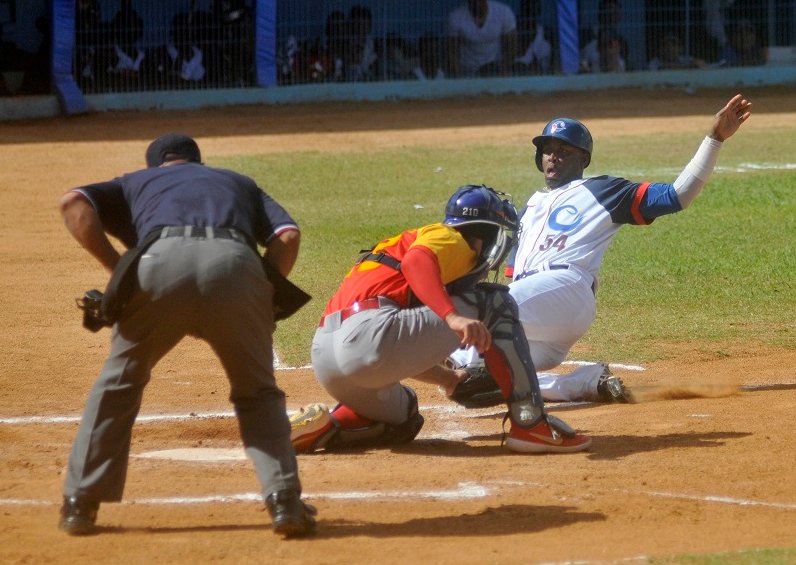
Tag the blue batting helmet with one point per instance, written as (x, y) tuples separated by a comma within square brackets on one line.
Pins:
[(567, 130)]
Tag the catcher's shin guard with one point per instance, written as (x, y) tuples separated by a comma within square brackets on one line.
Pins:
[(509, 358), (509, 362)]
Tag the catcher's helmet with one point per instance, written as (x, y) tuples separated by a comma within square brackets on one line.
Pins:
[(567, 130), (474, 204)]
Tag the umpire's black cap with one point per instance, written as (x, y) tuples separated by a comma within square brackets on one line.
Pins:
[(172, 146)]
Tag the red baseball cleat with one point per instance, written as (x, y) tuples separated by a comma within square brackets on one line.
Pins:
[(543, 438)]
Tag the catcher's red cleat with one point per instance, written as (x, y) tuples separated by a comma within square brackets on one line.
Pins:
[(543, 438), (310, 428)]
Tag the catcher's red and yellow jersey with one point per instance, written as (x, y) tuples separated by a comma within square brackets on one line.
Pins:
[(371, 278)]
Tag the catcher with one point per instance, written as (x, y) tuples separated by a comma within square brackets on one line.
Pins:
[(566, 229), (398, 313)]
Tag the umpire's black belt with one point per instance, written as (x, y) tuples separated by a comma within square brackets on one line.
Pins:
[(534, 271), (206, 232)]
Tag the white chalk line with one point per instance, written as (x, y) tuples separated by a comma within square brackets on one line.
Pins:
[(149, 418), (466, 490), (611, 365), (644, 559), (141, 418), (739, 168), (68, 419), (463, 491), (279, 367), (441, 408), (722, 499)]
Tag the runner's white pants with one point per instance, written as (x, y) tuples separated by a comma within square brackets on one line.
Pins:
[(556, 308)]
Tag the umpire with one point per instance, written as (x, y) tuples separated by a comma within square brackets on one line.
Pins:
[(192, 231)]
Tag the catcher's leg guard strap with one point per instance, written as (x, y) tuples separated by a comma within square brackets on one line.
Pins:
[(561, 426), (509, 358)]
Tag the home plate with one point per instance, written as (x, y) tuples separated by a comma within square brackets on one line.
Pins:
[(201, 454)]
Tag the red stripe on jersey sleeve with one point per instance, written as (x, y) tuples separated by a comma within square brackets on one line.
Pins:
[(635, 209)]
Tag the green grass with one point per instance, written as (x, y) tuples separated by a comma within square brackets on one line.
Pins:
[(722, 271), (749, 557)]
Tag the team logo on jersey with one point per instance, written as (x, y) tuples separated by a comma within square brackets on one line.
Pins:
[(558, 125), (564, 218)]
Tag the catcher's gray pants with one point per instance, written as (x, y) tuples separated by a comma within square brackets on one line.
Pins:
[(361, 360), (215, 289)]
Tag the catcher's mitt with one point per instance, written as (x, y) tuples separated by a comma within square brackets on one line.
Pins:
[(478, 390)]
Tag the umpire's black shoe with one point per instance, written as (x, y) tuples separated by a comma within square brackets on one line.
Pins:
[(78, 516), (290, 516)]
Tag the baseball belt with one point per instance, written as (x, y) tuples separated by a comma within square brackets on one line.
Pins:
[(356, 307), (206, 232), (535, 271)]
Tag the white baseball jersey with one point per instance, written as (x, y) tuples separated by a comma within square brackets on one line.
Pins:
[(574, 224), (563, 236)]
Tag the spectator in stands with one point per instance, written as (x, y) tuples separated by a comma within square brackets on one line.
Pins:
[(25, 54), (537, 58), (429, 53), (361, 62), (482, 39), (89, 40), (37, 74), (401, 60), (290, 60), (186, 50), (326, 59), (743, 48), (673, 56), (127, 29), (714, 21), (10, 75), (611, 58), (232, 24), (604, 48)]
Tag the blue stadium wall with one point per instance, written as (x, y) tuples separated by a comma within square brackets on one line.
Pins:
[(399, 19)]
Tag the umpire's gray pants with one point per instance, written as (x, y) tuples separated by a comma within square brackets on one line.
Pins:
[(215, 289)]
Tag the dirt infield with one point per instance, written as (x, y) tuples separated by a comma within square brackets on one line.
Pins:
[(705, 464)]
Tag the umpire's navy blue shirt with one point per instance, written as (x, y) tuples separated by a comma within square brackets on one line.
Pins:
[(185, 194)]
